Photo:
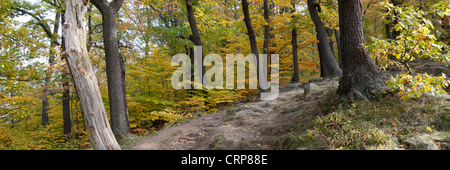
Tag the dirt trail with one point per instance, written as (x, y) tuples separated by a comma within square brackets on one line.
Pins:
[(246, 126)]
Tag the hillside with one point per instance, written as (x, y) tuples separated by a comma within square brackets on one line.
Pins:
[(315, 120)]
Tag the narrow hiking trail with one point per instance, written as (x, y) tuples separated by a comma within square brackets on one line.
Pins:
[(239, 127), (253, 125)]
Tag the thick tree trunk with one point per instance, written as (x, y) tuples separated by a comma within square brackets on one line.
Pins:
[(115, 67), (328, 65), (83, 77), (361, 75)]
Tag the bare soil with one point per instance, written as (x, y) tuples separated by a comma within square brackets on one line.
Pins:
[(253, 125)]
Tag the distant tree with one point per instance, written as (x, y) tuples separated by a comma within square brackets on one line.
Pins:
[(295, 76), (24, 8)]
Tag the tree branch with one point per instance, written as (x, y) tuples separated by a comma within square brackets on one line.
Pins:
[(40, 22)]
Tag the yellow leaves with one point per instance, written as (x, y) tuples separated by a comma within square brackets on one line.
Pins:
[(425, 30), (392, 123), (413, 87), (429, 129)]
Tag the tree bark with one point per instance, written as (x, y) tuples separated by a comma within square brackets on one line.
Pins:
[(195, 38), (266, 38), (83, 77), (392, 34), (328, 66), (66, 89), (51, 62), (115, 67), (338, 43), (266, 27), (252, 38), (296, 76), (330, 39), (361, 75)]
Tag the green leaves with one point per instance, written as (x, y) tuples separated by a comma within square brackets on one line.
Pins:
[(414, 86), (416, 39)]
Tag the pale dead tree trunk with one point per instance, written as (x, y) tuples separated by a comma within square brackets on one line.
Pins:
[(83, 77)]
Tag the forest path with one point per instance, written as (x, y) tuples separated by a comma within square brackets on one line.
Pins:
[(252, 125)]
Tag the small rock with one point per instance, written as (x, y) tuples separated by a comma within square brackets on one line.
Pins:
[(419, 143), (446, 143), (310, 87), (316, 79)]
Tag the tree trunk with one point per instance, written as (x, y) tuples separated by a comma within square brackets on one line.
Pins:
[(338, 43), (66, 89), (295, 77), (195, 38), (330, 39), (361, 75), (328, 65), (252, 38), (115, 67), (83, 77), (392, 34), (51, 62), (266, 39)]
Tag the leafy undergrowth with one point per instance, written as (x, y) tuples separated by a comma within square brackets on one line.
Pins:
[(381, 124)]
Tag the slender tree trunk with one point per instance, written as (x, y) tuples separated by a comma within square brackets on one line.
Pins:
[(392, 34), (295, 77), (330, 39), (115, 67), (395, 20), (66, 89), (266, 38), (51, 62), (266, 27), (89, 43), (328, 65), (192, 57), (195, 38), (361, 75), (252, 38), (338, 43), (375, 30), (84, 79)]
